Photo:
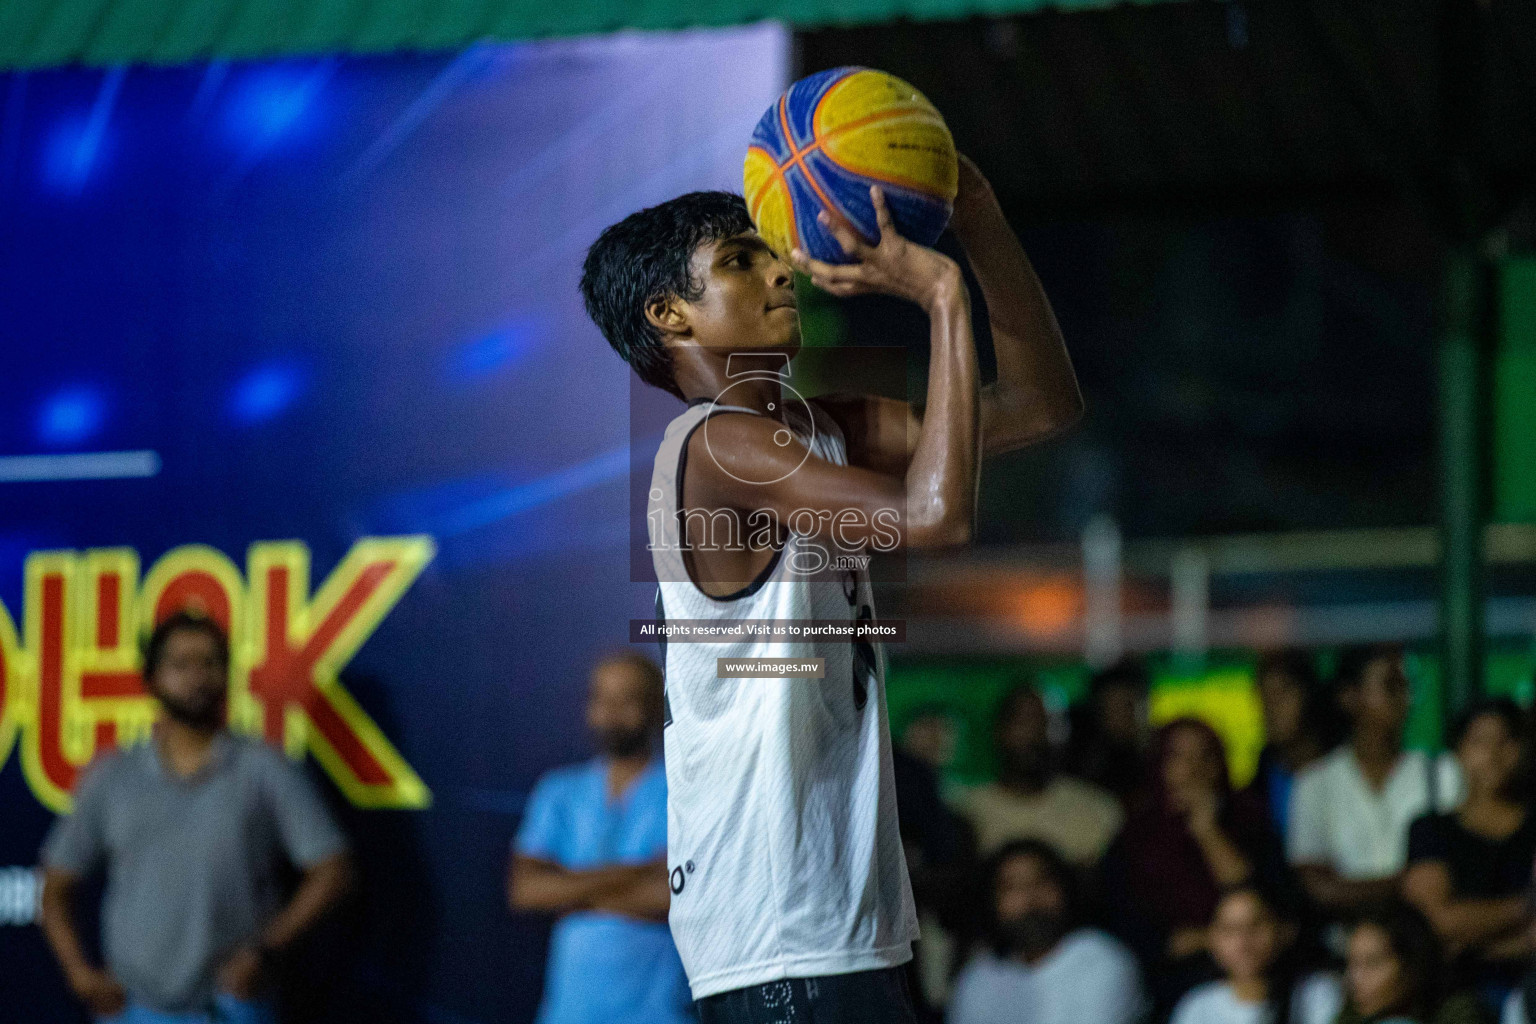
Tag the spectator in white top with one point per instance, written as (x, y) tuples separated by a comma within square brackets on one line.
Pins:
[(1030, 800), (1350, 811), (1043, 967), (1252, 943)]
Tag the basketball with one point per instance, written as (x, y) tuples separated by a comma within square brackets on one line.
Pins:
[(827, 140)]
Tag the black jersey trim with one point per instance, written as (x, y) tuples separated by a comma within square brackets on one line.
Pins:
[(682, 464), (661, 642)]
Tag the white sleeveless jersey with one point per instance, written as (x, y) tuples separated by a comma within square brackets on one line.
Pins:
[(783, 847)]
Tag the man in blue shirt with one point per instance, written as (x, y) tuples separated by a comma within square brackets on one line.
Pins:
[(592, 848)]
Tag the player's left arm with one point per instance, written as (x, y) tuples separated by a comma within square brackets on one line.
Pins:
[(1035, 395)]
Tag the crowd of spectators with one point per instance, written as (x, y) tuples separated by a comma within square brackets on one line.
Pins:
[(1110, 873), (1115, 874)]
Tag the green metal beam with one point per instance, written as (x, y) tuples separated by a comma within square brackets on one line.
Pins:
[(1515, 395), (1468, 297), (50, 33)]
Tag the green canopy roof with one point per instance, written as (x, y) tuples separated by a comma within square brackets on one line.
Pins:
[(46, 33)]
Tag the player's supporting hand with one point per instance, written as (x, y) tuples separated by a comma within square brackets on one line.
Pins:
[(892, 266)]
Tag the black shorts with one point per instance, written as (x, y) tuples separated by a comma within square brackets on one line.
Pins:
[(864, 997)]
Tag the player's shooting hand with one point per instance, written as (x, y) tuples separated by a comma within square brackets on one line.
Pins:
[(892, 266), (100, 991)]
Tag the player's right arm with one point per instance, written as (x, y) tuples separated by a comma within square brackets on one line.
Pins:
[(934, 498)]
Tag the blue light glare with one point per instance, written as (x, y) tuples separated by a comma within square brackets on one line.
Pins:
[(483, 357), (69, 154), (274, 103), (76, 145), (266, 392), (71, 416)]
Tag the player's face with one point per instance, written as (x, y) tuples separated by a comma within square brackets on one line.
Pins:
[(749, 298)]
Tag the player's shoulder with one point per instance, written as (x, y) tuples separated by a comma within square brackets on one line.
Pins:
[(740, 445)]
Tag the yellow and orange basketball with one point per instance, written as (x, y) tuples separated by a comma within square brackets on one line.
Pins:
[(827, 140)]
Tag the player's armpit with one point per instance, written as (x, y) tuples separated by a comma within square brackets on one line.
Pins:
[(747, 463), (1012, 419), (881, 433)]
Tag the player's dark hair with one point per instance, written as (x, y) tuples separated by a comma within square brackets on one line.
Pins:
[(646, 255), (181, 622)]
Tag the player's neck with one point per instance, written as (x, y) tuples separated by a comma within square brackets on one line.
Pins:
[(761, 394)]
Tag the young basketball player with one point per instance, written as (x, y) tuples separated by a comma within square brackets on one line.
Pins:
[(790, 897)]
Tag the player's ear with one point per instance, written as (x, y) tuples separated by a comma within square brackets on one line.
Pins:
[(666, 314)]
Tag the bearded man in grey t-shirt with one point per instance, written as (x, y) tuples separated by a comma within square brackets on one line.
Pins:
[(191, 829)]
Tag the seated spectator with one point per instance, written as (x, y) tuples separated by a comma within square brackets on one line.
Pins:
[(1254, 947), (1470, 871), (1394, 972), (1297, 729), (1043, 967), (1166, 870), (1030, 800), (1109, 731), (1350, 812)]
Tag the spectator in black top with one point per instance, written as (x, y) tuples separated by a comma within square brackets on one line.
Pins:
[(1394, 973), (1297, 728), (1470, 871)]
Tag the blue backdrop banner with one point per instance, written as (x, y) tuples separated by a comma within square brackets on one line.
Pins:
[(300, 344)]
